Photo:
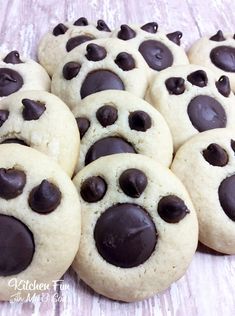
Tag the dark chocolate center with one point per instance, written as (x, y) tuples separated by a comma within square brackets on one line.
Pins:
[(224, 58), (227, 196), (10, 81), (76, 41)]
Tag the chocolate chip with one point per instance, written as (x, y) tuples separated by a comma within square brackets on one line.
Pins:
[(175, 85), (150, 27), (215, 155), (175, 37), (10, 81), (233, 144), (126, 33), (83, 125), (108, 146), (223, 86), (14, 141), (206, 113), (227, 196), (223, 57), (93, 189), (102, 26), (139, 121), (3, 116), (60, 29), (100, 80), (44, 198), (32, 109), (218, 37), (172, 209), (107, 115), (125, 235), (125, 61), (198, 78), (156, 54), (71, 70), (13, 58), (95, 52), (77, 40), (12, 182), (16, 246), (81, 22), (133, 182)]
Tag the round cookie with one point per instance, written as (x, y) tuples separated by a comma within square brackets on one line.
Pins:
[(217, 53), (159, 50), (112, 122), (39, 221), (41, 120), (139, 228), (64, 37), (206, 166), (104, 64), (192, 100), (18, 74)]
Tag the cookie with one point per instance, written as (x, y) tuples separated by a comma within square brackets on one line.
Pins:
[(217, 53), (39, 221), (112, 122), (40, 120), (159, 50), (18, 74), (192, 100), (64, 37), (206, 166), (104, 64), (139, 228)]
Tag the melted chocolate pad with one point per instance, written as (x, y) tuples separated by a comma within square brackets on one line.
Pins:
[(13, 58), (10, 81), (71, 70), (150, 27), (100, 80), (223, 86), (81, 22), (206, 113), (108, 146), (60, 29), (12, 182), (93, 189), (215, 155), (126, 33), (95, 52), (175, 37), (139, 121), (3, 116), (14, 141), (175, 85), (156, 54), (232, 144), (125, 61), (223, 57), (83, 125), (125, 235), (218, 37), (32, 109), (227, 196), (133, 182), (172, 209), (198, 78), (77, 40), (102, 26), (44, 198), (16, 246), (107, 115)]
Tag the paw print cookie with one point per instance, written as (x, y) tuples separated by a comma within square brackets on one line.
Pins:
[(64, 37), (18, 74), (192, 100), (206, 166), (104, 64), (112, 122), (42, 121), (217, 53), (139, 228), (159, 50), (39, 220)]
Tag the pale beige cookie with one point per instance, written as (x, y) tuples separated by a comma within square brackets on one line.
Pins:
[(64, 37), (192, 100), (39, 222), (206, 166), (217, 53), (104, 64), (18, 74), (160, 50), (41, 120), (139, 228)]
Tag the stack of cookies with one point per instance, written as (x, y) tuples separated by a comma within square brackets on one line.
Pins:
[(123, 104)]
